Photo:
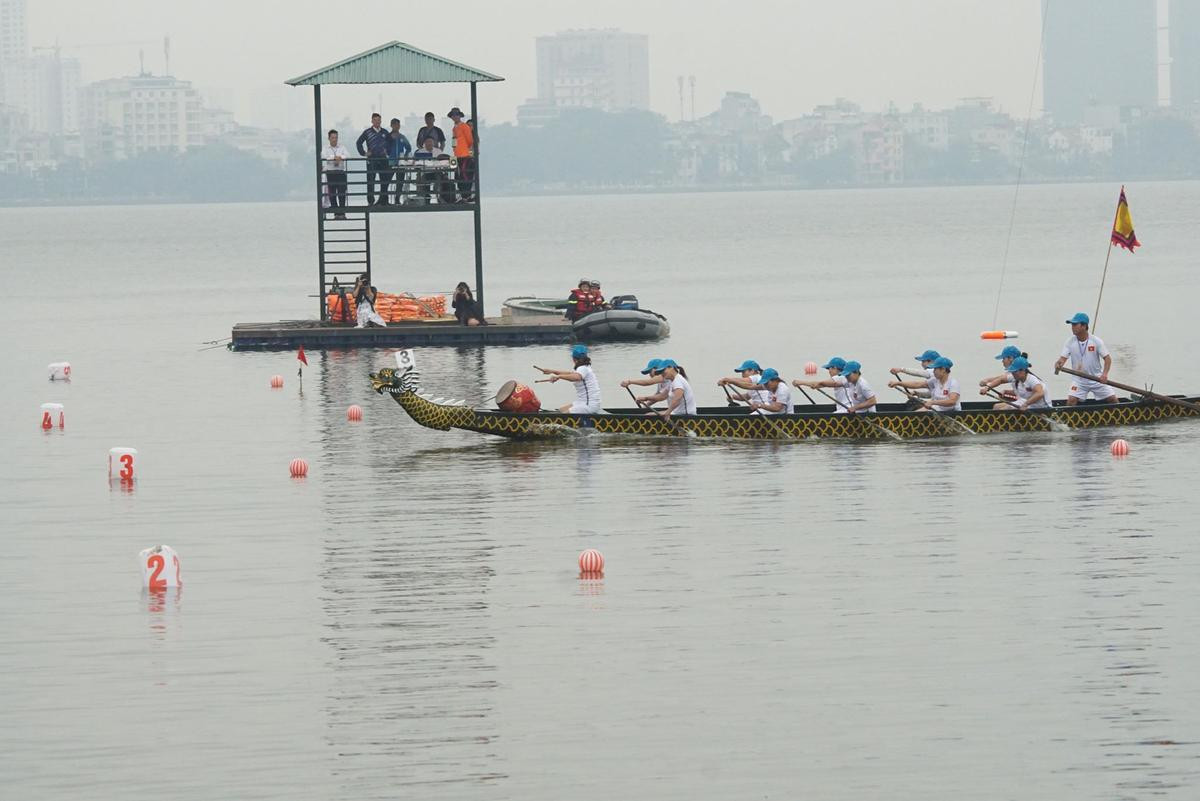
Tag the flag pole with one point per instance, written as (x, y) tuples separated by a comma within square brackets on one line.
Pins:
[(1107, 256)]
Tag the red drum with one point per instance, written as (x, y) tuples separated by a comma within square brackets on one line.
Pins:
[(514, 397)]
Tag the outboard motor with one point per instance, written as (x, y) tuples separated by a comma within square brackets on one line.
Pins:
[(624, 302)]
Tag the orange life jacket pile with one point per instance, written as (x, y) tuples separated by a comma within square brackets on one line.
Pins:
[(392, 308)]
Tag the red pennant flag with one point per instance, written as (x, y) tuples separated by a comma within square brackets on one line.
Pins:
[(302, 357)]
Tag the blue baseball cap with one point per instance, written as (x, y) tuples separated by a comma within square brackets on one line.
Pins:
[(851, 367), (942, 361), (928, 356), (770, 374), (1080, 317), (665, 363), (749, 364), (836, 361), (579, 350), (1010, 352), (1019, 363), (651, 366)]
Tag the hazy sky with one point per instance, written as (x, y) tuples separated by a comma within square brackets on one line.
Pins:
[(790, 55)]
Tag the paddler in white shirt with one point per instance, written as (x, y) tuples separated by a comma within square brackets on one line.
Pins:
[(858, 391), (928, 357), (750, 379), (835, 366), (1085, 350), (779, 395), (587, 386), (1006, 358), (653, 373), (1030, 391), (944, 393), (680, 399)]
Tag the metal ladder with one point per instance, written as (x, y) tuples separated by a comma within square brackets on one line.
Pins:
[(345, 251)]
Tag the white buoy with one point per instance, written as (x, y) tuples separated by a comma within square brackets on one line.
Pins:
[(59, 371), (160, 568), (121, 463), (53, 415)]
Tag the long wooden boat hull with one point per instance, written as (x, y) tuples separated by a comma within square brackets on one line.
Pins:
[(892, 421)]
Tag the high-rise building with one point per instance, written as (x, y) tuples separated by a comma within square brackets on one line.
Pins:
[(14, 35), (603, 69), (1183, 23), (1099, 53), (46, 88), (123, 117)]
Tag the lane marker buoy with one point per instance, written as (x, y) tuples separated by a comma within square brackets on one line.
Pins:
[(121, 463), (52, 415), (1119, 447), (298, 468), (591, 564), (354, 413), (160, 568), (276, 381)]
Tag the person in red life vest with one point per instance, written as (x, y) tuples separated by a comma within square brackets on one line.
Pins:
[(598, 301), (581, 300)]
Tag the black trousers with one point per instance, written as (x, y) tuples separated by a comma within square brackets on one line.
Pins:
[(378, 170), (466, 178), (401, 177), (336, 179)]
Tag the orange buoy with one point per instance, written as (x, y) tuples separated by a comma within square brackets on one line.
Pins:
[(354, 413), (999, 335), (298, 468), (591, 563), (1119, 447), (810, 368), (276, 381)]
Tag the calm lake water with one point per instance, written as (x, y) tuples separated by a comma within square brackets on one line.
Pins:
[(1001, 617)]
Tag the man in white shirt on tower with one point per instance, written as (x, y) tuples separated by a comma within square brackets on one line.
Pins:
[(1088, 355)]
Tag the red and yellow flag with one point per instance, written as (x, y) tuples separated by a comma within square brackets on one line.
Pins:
[(1122, 232)]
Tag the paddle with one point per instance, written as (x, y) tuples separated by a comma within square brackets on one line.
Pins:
[(1145, 393), (941, 415), (774, 423), (732, 401), (805, 394), (862, 417)]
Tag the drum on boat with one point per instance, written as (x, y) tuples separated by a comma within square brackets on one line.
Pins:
[(515, 397)]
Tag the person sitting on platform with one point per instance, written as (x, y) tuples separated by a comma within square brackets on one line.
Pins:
[(333, 158), (431, 131), (580, 300), (425, 180), (364, 300), (398, 148), (465, 308), (373, 143)]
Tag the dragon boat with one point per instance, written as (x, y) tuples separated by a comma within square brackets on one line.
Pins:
[(891, 421)]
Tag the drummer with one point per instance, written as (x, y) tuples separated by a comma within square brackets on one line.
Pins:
[(835, 366), (587, 386), (1029, 390), (749, 378), (653, 373), (680, 399), (944, 392)]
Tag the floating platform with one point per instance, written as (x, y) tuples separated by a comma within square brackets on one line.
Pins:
[(291, 334)]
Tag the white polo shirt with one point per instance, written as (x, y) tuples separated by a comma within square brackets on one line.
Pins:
[(858, 392), (940, 391), (782, 394), (688, 405), (587, 391), (1026, 388), (760, 395), (840, 395), (1087, 357)]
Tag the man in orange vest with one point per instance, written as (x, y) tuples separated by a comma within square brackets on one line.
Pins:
[(464, 152)]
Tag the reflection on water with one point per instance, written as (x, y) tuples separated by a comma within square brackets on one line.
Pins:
[(983, 617)]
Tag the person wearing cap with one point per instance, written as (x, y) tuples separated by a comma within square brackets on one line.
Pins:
[(944, 393), (598, 301), (587, 386), (680, 399), (1006, 358), (464, 151), (1029, 391), (779, 395), (926, 358), (653, 373), (580, 301), (858, 391), (749, 378), (1088, 355), (836, 381)]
